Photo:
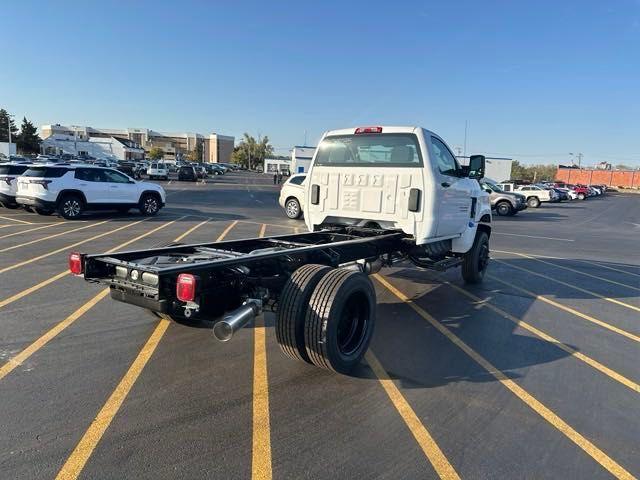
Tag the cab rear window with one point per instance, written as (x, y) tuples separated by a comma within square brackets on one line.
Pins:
[(377, 150), (45, 172)]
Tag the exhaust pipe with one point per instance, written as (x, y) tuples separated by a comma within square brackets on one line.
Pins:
[(235, 320)]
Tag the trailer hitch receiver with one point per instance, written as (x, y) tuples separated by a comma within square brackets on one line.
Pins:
[(235, 320)]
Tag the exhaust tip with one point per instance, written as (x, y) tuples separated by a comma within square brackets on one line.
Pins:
[(223, 331)]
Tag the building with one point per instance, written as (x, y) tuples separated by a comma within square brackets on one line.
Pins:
[(7, 149), (176, 146), (103, 148), (498, 169), (590, 176), (301, 157), (274, 165)]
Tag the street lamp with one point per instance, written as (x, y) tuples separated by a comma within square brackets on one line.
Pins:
[(9, 117)]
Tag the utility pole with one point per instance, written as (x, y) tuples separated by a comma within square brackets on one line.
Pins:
[(579, 160), (466, 126), (9, 127)]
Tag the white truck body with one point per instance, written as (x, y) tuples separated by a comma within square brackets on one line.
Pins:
[(374, 174)]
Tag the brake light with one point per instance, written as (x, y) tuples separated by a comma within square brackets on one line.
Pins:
[(44, 183), (186, 287), (360, 130), (75, 263)]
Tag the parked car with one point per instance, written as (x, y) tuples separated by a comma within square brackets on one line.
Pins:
[(292, 195), (73, 189), (581, 191), (536, 195), (9, 173), (130, 168), (187, 173), (504, 203), (158, 170)]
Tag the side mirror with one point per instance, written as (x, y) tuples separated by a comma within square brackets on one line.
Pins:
[(476, 166)]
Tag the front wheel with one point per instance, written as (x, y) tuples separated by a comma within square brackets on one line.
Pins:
[(149, 204), (292, 208), (504, 209), (581, 196), (533, 202), (71, 207), (476, 260)]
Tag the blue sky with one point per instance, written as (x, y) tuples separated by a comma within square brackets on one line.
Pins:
[(535, 80)]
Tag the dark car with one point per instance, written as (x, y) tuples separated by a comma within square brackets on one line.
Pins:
[(129, 168), (187, 173)]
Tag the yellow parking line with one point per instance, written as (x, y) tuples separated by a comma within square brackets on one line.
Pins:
[(31, 229), (587, 446), (548, 338), (49, 237), (227, 230), (180, 237), (18, 359), (261, 458), (78, 458), (569, 269), (16, 220), (440, 463), (89, 441), (570, 285), (595, 264), (560, 306)]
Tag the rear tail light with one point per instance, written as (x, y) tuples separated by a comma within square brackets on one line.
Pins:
[(44, 183), (186, 287), (360, 130), (75, 263)]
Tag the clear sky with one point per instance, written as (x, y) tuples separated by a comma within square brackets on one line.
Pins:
[(535, 80)]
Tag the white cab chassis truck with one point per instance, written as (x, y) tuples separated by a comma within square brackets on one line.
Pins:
[(375, 196)]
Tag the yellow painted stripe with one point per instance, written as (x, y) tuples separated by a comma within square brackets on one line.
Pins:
[(67, 247), (261, 458), (567, 309), (296, 230), (146, 234), (78, 458), (548, 338), (227, 230), (18, 359), (537, 259), (570, 285), (30, 229), (16, 220), (587, 446), (24, 244), (429, 446), (195, 227)]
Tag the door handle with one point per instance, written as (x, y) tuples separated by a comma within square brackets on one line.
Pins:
[(445, 184)]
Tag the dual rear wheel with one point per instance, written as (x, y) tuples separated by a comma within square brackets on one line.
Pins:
[(326, 317)]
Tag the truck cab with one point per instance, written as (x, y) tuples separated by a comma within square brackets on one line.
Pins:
[(396, 178)]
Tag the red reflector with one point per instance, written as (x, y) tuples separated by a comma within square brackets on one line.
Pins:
[(186, 287), (368, 130), (75, 263)]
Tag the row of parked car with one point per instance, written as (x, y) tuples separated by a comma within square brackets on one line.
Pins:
[(70, 189), (506, 198)]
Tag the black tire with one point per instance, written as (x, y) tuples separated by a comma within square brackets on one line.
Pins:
[(533, 202), (504, 209), (71, 206), (292, 309), (340, 320), (43, 211), (292, 208), (149, 204), (474, 264)]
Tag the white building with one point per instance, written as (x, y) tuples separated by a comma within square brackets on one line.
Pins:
[(103, 148), (5, 151), (274, 165), (301, 157), (498, 169)]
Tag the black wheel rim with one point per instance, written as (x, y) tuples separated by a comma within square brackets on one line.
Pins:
[(150, 205), (353, 323), (71, 208), (483, 257)]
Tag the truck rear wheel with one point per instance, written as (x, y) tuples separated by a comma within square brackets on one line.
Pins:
[(340, 320), (474, 264), (533, 202), (292, 309)]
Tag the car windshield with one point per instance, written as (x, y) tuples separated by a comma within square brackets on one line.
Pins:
[(492, 186), (378, 150)]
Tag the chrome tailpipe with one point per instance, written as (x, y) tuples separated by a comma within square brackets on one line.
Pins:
[(235, 320)]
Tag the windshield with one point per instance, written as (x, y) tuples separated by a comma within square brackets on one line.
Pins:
[(492, 186), (379, 150)]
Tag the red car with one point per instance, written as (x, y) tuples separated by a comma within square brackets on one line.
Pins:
[(581, 190)]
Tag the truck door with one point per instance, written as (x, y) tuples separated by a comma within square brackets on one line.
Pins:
[(452, 191)]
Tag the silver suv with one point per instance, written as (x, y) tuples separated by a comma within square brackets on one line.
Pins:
[(504, 203)]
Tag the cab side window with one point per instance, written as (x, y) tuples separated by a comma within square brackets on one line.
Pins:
[(447, 163)]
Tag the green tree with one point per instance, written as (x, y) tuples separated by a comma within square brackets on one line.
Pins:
[(6, 123), (622, 166), (156, 153), (251, 152), (28, 140)]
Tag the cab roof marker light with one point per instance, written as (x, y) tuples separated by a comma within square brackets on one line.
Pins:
[(361, 130)]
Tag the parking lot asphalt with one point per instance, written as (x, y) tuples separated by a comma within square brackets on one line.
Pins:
[(533, 374)]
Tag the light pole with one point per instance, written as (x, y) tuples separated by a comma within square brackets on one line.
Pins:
[(9, 117)]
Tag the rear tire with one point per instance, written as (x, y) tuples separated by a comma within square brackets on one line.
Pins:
[(581, 196), (533, 202), (292, 208), (292, 310), (474, 264), (340, 320), (149, 204), (504, 209), (71, 207)]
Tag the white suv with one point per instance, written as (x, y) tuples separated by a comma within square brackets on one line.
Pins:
[(292, 195), (72, 189), (535, 195), (9, 173), (158, 170)]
